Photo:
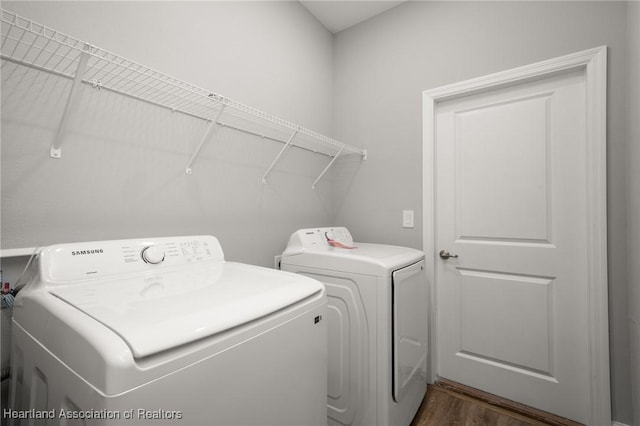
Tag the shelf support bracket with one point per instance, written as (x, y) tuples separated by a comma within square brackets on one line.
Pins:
[(210, 128), (282, 150), (333, 160), (56, 150)]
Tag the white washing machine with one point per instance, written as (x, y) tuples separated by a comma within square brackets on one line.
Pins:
[(377, 324), (166, 332)]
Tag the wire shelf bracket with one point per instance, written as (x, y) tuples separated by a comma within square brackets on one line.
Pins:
[(282, 150), (333, 160), (56, 147), (213, 125), (27, 43)]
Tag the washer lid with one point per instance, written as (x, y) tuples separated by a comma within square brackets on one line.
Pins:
[(156, 312)]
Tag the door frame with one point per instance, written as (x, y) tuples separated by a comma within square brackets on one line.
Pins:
[(594, 64)]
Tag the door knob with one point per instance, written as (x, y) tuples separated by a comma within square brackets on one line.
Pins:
[(445, 254)]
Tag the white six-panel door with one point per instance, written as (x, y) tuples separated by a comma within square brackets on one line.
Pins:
[(511, 201)]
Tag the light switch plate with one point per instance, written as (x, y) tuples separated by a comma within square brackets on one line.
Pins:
[(407, 218)]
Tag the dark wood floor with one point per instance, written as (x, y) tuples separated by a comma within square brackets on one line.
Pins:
[(450, 405)]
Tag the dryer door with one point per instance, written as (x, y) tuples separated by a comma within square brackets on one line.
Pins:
[(409, 328)]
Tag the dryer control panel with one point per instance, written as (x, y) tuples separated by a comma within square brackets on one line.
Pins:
[(80, 261), (319, 238)]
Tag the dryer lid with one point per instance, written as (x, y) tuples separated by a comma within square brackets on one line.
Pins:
[(156, 312), (368, 259)]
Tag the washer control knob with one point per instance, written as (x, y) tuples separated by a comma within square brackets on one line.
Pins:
[(152, 254)]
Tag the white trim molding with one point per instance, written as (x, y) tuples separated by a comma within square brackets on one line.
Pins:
[(594, 64), (18, 252)]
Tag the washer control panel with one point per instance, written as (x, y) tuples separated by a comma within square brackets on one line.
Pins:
[(71, 262), (319, 238)]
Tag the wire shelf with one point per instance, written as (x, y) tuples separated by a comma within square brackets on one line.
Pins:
[(36, 46)]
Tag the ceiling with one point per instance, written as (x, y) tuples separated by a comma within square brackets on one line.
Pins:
[(339, 15)]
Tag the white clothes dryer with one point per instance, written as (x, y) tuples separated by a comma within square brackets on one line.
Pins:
[(377, 324), (164, 331)]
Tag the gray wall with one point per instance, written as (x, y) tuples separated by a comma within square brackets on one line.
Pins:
[(633, 160), (122, 172), (383, 65)]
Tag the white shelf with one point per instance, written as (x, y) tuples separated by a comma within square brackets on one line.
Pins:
[(27, 43), (17, 252)]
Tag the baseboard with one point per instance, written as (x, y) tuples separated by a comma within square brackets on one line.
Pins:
[(618, 424)]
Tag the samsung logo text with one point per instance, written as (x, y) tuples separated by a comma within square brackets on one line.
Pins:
[(83, 252)]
